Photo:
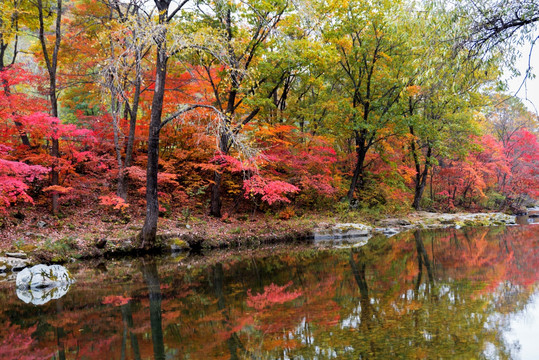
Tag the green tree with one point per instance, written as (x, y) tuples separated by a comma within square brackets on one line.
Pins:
[(442, 104), (369, 74)]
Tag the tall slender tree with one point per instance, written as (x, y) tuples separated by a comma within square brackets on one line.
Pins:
[(248, 74), (51, 62), (149, 230)]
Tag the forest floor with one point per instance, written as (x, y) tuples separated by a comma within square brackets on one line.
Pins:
[(90, 233)]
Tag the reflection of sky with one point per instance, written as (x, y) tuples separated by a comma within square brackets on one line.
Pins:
[(524, 330)]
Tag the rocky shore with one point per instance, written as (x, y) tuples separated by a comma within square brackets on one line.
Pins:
[(200, 237)]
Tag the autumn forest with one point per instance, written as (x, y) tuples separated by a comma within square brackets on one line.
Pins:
[(149, 110)]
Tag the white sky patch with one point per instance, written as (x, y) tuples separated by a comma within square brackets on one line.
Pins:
[(529, 90)]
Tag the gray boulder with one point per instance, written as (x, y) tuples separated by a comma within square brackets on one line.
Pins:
[(12, 264), (41, 283), (18, 255), (43, 276)]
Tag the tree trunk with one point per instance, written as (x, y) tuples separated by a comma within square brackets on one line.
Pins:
[(52, 65), (123, 180), (420, 174), (357, 178), (132, 112), (418, 194), (216, 203), (55, 149), (149, 230)]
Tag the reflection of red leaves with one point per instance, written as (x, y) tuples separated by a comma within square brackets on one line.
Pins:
[(239, 325), (165, 286), (272, 294), (116, 300), (19, 344)]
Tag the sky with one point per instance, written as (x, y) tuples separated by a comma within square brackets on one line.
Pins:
[(529, 93)]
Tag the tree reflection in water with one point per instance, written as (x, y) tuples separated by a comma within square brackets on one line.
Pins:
[(426, 294), (151, 276)]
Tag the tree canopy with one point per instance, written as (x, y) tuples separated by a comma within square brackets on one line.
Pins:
[(157, 108)]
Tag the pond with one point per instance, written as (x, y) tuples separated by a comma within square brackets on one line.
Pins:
[(452, 294)]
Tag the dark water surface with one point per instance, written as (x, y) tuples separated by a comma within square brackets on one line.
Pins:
[(453, 294)]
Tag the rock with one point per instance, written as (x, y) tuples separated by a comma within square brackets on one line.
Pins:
[(41, 283), (13, 264), (7, 277), (389, 232), (18, 255), (33, 234), (3, 269), (343, 231), (177, 245), (353, 229), (41, 224), (390, 223), (43, 276), (100, 243)]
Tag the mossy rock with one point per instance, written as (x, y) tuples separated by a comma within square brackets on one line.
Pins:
[(447, 221), (177, 244)]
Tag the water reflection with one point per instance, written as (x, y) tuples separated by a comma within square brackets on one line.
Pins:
[(437, 294), (149, 271), (532, 217), (40, 296)]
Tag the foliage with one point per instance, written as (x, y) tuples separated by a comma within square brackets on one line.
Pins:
[(301, 103)]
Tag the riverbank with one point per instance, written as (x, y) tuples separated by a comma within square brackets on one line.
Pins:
[(47, 239)]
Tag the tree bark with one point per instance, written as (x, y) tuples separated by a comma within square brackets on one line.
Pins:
[(149, 230), (421, 175), (357, 178), (131, 110), (216, 203), (52, 65), (123, 180)]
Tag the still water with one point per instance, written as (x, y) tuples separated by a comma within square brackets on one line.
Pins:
[(453, 294)]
